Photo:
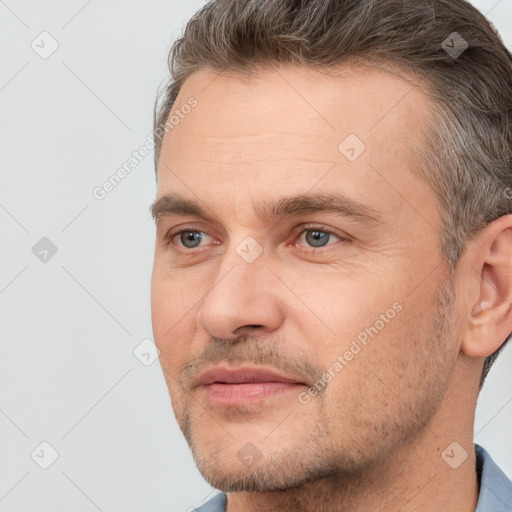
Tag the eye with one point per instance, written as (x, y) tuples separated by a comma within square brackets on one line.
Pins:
[(187, 238), (317, 237)]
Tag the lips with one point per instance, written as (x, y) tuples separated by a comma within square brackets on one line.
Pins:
[(246, 385), (243, 375)]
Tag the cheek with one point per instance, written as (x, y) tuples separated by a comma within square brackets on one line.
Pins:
[(353, 329), (337, 308), (396, 370), (172, 315)]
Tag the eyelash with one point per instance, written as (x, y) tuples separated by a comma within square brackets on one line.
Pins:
[(303, 229)]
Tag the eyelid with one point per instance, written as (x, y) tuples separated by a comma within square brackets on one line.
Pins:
[(299, 230), (175, 232), (319, 227)]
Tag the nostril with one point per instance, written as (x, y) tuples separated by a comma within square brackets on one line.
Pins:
[(249, 329)]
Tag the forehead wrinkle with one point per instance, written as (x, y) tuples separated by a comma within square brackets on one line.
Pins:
[(266, 146)]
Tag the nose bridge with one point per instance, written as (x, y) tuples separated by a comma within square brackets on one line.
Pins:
[(241, 293), (242, 272)]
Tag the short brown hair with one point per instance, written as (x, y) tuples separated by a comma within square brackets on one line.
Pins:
[(467, 155)]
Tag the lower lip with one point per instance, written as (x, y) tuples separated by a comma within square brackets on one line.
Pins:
[(248, 392)]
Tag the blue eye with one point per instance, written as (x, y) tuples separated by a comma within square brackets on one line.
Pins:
[(314, 238), (317, 237), (190, 238)]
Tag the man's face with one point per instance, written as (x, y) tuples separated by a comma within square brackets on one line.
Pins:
[(347, 302)]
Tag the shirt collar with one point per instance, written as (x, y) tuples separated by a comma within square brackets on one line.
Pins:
[(495, 488)]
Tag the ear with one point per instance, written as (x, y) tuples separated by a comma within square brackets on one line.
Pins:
[(489, 320)]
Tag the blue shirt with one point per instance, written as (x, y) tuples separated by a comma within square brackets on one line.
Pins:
[(495, 488)]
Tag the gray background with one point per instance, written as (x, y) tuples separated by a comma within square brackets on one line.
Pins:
[(69, 326)]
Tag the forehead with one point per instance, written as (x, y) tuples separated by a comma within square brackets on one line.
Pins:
[(288, 126), (301, 101)]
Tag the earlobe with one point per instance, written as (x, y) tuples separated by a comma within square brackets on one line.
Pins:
[(490, 316)]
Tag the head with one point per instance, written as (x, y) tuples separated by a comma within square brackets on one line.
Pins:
[(333, 203)]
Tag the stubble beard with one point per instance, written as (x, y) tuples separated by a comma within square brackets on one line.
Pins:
[(313, 453)]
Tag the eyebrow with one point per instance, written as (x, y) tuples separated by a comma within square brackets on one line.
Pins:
[(338, 203)]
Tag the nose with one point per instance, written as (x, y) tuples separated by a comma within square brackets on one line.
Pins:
[(242, 300)]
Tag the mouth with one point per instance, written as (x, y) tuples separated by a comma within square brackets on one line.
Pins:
[(245, 385)]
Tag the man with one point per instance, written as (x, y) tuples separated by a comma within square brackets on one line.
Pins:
[(333, 262)]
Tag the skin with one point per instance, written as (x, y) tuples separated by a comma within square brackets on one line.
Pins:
[(372, 439)]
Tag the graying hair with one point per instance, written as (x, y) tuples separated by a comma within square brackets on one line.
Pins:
[(467, 155)]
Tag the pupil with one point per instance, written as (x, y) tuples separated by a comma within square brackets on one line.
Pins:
[(191, 239)]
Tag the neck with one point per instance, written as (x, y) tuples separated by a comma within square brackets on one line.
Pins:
[(410, 481)]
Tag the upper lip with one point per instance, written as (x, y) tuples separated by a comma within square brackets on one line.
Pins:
[(241, 375)]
